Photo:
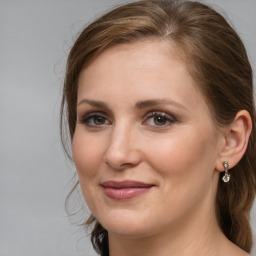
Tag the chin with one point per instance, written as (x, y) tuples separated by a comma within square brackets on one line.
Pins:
[(126, 223)]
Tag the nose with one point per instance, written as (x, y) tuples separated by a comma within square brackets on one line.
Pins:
[(122, 151)]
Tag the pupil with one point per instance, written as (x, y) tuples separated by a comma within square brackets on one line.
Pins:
[(160, 120), (99, 120)]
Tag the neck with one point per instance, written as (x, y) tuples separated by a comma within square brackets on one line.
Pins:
[(188, 238)]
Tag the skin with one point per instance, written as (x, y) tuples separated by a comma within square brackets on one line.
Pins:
[(180, 153)]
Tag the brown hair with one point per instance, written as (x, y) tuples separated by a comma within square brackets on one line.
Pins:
[(216, 59)]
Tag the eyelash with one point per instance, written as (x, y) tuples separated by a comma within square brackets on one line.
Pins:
[(91, 116), (168, 119), (155, 114)]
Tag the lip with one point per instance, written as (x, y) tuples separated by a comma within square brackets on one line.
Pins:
[(125, 190)]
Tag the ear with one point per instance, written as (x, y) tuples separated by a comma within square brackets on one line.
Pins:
[(236, 137)]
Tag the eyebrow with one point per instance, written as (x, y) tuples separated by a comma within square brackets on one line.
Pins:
[(93, 103), (140, 104), (155, 102)]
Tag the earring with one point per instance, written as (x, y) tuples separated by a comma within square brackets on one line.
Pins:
[(226, 177)]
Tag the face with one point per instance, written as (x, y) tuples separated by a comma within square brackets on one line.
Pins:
[(145, 147)]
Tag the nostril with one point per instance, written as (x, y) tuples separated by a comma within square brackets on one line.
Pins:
[(120, 161), (126, 165), (116, 163)]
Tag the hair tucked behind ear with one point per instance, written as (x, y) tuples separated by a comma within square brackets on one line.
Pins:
[(218, 63)]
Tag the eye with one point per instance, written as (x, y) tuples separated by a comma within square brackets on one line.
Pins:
[(95, 120), (159, 119)]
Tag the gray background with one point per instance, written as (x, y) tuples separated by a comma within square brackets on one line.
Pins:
[(35, 37)]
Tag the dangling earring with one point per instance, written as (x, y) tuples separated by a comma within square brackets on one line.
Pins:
[(226, 177)]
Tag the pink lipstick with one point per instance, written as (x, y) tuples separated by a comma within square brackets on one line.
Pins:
[(125, 190)]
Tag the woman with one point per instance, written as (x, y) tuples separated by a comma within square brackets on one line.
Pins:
[(159, 101)]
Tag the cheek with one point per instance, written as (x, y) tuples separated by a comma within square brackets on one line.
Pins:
[(183, 156), (88, 153)]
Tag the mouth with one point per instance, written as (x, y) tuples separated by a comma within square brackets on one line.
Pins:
[(125, 190)]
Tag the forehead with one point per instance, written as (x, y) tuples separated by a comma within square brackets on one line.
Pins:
[(148, 66), (154, 57)]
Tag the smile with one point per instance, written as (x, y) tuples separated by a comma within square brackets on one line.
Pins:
[(125, 190)]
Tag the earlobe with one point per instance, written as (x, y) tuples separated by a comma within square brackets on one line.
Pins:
[(236, 140)]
